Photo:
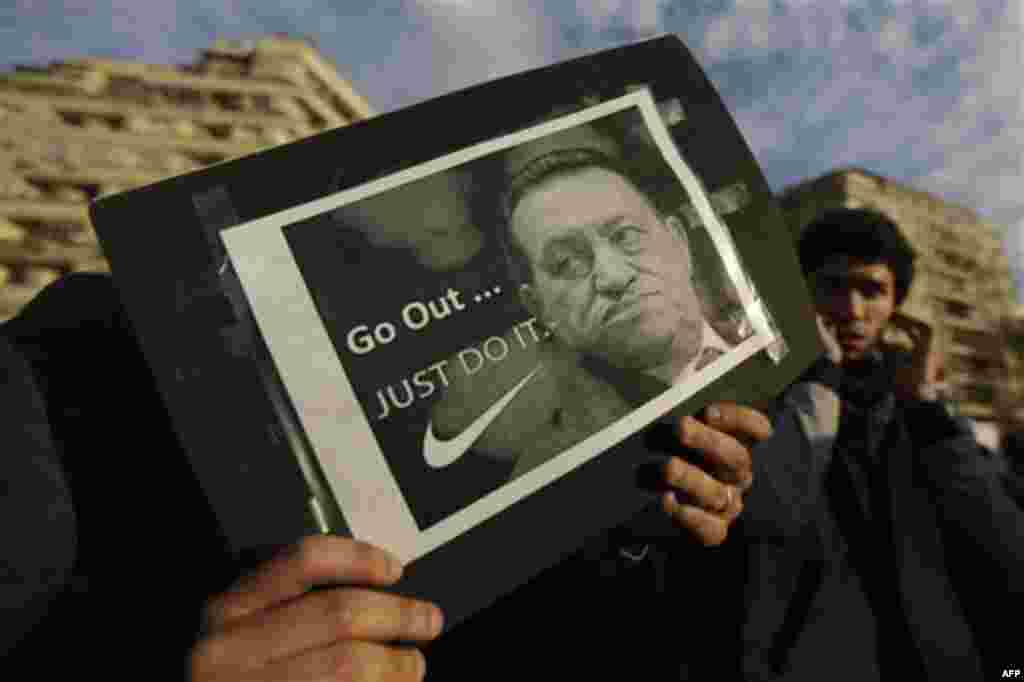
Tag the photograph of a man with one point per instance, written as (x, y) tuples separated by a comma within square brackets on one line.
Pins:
[(608, 275), (603, 270)]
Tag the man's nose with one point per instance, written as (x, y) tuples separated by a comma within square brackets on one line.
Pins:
[(612, 271)]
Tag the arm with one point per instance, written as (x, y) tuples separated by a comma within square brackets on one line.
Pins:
[(974, 491), (38, 536)]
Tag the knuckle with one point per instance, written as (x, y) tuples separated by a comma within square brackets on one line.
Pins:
[(675, 470), (411, 618), (410, 664), (212, 614), (702, 436), (217, 611), (366, 558), (354, 661), (348, 661), (690, 432), (341, 611), (715, 532), (206, 655), (306, 554), (721, 415), (757, 423)]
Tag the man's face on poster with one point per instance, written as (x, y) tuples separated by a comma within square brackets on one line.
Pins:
[(610, 276)]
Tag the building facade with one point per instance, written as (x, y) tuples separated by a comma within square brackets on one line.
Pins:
[(1013, 332), (79, 129), (963, 287)]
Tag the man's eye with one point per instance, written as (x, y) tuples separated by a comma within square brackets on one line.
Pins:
[(627, 236), (568, 266)]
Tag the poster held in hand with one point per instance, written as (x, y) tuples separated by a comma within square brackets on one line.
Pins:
[(439, 331)]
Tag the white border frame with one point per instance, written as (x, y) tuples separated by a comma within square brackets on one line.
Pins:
[(327, 407)]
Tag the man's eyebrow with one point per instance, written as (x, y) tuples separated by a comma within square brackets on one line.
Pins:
[(613, 222), (572, 232), (554, 241), (866, 277), (852, 279)]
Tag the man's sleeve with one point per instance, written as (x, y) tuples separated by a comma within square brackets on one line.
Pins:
[(37, 535), (976, 493), (789, 467)]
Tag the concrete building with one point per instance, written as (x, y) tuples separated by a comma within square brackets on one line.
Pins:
[(963, 287), (78, 129), (1013, 332)]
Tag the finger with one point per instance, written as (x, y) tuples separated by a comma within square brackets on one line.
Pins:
[(353, 661), (743, 422), (324, 618), (725, 457), (734, 507), (695, 485), (316, 560), (709, 529)]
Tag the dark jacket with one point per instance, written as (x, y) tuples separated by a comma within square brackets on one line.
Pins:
[(954, 542), (116, 546)]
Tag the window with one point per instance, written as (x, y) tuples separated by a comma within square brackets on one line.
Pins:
[(262, 104), (980, 364), (956, 284), (231, 101), (979, 393), (976, 340), (954, 260), (956, 309)]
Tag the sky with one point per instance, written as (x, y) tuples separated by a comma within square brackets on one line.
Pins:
[(926, 92)]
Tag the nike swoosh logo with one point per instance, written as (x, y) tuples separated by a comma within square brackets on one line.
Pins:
[(441, 453)]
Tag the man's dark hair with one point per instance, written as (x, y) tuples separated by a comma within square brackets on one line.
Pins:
[(537, 172), (863, 235)]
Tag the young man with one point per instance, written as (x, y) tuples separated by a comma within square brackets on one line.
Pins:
[(892, 538)]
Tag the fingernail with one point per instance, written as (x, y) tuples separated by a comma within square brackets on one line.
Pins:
[(726, 499), (714, 414), (433, 620)]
